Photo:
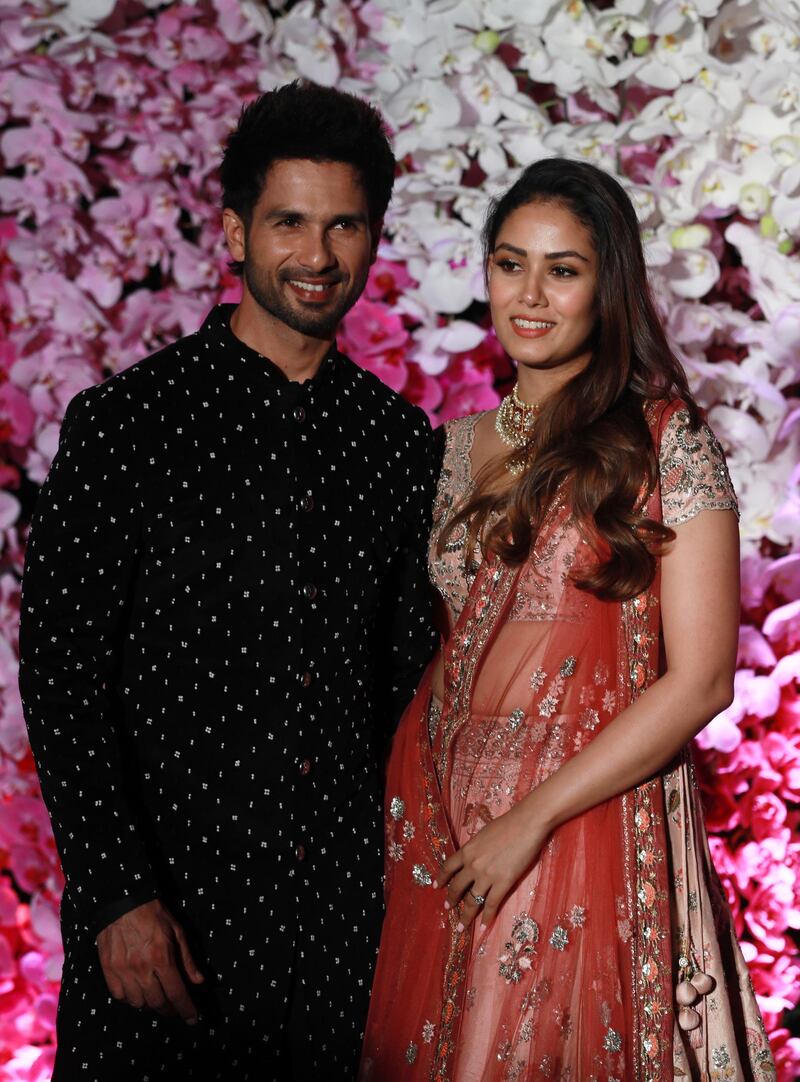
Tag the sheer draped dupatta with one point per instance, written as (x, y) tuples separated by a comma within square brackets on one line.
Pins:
[(574, 979)]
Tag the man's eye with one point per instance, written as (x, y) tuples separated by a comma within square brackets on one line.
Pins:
[(343, 223), (289, 221)]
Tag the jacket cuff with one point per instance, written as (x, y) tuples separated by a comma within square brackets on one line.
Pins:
[(118, 908)]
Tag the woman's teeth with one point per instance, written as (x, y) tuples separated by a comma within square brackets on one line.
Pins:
[(528, 324)]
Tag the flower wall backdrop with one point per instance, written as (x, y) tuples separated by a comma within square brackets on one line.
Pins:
[(113, 116)]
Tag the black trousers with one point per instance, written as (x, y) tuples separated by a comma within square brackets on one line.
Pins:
[(288, 967)]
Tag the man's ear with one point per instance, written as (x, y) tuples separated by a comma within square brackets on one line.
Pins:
[(375, 231), (235, 233)]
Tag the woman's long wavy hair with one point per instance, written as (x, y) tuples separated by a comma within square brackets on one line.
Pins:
[(591, 441)]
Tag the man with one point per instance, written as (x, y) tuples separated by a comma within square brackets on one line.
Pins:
[(225, 611)]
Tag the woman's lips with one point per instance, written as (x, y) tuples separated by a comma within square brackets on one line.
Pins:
[(531, 328)]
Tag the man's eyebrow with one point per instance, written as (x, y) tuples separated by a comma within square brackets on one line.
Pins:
[(550, 255), (286, 212)]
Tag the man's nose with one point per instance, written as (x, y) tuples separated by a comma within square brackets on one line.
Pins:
[(315, 252)]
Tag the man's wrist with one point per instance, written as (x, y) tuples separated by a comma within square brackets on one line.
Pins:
[(120, 906)]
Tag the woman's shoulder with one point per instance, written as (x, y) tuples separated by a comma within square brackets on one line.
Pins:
[(465, 423), (458, 432), (692, 466)]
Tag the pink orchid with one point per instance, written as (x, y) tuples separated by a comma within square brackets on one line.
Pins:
[(387, 280), (468, 399), (371, 328), (786, 1050), (764, 813), (771, 909), (752, 861), (389, 367), (754, 650), (423, 390)]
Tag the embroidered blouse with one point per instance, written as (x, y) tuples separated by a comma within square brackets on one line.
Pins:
[(694, 478)]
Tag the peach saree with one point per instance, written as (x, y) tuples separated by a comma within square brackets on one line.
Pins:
[(576, 977)]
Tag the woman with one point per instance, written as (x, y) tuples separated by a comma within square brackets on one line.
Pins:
[(552, 911)]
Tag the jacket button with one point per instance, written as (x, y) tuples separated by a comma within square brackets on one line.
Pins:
[(306, 679), (307, 502), (305, 767), (300, 852), (299, 414), (310, 591)]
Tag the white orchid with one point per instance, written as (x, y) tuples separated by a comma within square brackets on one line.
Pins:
[(488, 86), (304, 38), (434, 345), (675, 57), (424, 111)]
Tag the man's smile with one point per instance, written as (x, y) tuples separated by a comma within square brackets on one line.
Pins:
[(313, 292)]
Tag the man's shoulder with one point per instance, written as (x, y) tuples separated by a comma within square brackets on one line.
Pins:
[(398, 413), (145, 382)]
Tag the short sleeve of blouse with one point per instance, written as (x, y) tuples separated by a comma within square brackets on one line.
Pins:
[(694, 474)]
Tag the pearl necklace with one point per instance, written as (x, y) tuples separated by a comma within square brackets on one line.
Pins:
[(514, 423)]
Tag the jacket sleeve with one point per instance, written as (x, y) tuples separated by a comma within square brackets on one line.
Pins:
[(407, 617), (81, 562)]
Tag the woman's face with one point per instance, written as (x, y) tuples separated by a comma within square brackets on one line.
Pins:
[(542, 288)]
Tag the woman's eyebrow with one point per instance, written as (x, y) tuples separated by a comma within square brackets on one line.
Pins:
[(566, 254), (550, 255), (511, 248)]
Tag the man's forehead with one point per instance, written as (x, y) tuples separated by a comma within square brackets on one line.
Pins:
[(302, 181)]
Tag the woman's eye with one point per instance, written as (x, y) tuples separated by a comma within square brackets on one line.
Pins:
[(561, 271), (508, 264)]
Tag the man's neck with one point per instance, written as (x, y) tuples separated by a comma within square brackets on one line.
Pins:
[(297, 355)]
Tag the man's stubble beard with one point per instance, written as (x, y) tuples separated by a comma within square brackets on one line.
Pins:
[(322, 325)]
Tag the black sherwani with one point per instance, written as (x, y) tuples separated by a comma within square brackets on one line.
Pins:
[(225, 609)]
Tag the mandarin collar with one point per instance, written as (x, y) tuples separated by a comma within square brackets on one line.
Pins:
[(217, 328)]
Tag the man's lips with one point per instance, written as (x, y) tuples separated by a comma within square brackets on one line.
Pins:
[(531, 328), (312, 292)]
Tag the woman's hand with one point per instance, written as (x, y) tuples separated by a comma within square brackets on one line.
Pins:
[(490, 864)]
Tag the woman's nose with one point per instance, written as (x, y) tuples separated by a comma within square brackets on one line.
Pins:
[(532, 293)]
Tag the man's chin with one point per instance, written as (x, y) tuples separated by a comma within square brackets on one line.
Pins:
[(321, 327)]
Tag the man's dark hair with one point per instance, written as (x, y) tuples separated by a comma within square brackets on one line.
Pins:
[(316, 123)]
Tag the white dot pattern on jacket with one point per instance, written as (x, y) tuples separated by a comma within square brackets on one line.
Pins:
[(225, 610)]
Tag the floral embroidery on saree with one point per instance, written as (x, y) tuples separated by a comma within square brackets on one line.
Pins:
[(652, 965)]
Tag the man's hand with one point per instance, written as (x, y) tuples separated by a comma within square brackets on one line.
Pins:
[(144, 955)]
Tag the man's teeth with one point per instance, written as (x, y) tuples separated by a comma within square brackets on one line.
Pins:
[(528, 324), (308, 286)]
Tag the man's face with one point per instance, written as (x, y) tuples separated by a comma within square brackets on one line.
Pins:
[(309, 246)]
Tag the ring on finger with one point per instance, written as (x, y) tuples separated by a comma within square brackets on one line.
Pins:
[(479, 898)]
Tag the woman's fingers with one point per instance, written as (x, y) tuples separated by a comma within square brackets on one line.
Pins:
[(458, 886), (474, 901), (452, 865), (493, 901)]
